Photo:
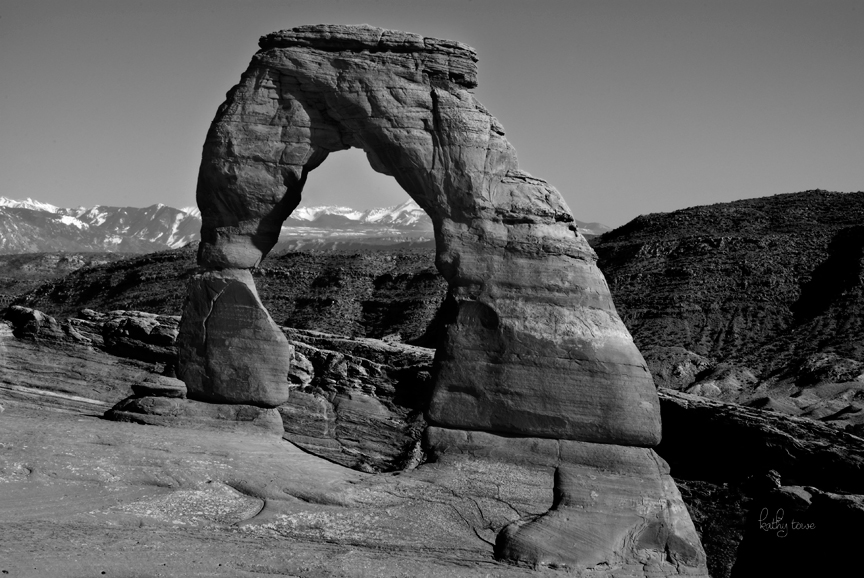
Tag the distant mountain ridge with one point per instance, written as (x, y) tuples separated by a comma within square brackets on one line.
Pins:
[(32, 226)]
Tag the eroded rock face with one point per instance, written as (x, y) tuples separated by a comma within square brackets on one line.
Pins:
[(187, 413), (358, 402), (533, 345), (613, 506), (231, 350)]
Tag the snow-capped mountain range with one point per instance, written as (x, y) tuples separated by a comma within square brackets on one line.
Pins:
[(31, 226), (408, 215)]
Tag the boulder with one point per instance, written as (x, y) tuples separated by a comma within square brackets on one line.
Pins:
[(139, 335), (34, 325)]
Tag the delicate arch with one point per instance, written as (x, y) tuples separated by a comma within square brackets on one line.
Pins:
[(533, 344)]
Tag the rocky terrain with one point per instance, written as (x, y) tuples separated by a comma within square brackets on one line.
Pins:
[(536, 387), (677, 280), (756, 301), (531, 438), (358, 403)]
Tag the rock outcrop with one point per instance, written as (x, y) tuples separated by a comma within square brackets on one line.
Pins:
[(358, 402), (187, 413), (730, 462), (532, 345), (232, 351)]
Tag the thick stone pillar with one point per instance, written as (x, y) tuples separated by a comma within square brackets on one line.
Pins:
[(231, 351)]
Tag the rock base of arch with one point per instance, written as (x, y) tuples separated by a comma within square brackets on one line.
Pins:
[(614, 508), (231, 350)]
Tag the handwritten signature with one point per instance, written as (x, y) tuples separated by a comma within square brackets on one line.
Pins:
[(779, 526)]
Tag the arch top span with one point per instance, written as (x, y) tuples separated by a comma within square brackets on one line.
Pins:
[(446, 58), (533, 344)]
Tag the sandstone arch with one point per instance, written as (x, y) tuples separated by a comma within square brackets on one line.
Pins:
[(535, 370), (534, 345)]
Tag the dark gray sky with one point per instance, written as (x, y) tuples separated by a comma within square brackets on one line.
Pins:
[(627, 107)]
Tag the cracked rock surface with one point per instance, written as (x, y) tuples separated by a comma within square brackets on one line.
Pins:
[(80, 495), (232, 351), (612, 506)]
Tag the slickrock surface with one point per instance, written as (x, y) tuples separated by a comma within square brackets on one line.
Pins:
[(611, 504), (188, 413), (80, 495), (455, 502), (63, 365), (533, 344)]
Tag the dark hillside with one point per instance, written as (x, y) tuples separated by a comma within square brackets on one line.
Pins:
[(725, 280), (24, 272), (759, 292), (372, 294)]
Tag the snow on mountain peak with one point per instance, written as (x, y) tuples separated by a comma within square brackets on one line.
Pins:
[(312, 213), (27, 203), (403, 212), (157, 227)]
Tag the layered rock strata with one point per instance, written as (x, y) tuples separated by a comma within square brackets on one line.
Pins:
[(358, 402), (172, 411), (532, 345)]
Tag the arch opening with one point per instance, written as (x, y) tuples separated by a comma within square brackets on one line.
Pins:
[(346, 205)]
